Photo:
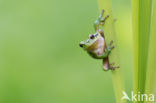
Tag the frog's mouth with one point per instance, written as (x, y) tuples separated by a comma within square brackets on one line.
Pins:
[(82, 44), (88, 47)]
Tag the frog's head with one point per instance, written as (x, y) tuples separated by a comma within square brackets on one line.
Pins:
[(91, 42)]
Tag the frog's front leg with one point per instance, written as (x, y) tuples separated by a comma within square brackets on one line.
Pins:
[(108, 50), (100, 21), (110, 47)]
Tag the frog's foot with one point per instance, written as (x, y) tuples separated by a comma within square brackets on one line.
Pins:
[(112, 64), (111, 67), (110, 47), (114, 67), (102, 20)]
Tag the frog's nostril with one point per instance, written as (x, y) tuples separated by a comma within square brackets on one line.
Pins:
[(81, 45)]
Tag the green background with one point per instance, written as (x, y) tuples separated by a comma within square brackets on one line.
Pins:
[(40, 57)]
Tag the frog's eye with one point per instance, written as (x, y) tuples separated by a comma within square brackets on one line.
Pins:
[(91, 36)]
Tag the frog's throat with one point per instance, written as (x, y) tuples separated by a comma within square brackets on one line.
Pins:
[(93, 46)]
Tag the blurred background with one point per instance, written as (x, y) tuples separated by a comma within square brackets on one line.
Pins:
[(41, 61)]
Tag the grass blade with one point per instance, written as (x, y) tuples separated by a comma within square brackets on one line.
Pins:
[(141, 32), (110, 34), (151, 71)]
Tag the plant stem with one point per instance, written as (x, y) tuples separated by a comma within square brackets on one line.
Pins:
[(110, 34)]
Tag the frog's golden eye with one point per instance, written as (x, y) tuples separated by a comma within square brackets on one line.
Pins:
[(91, 36)]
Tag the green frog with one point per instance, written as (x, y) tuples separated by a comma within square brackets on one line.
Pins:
[(96, 45)]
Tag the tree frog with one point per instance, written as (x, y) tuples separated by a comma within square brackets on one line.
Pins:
[(96, 45)]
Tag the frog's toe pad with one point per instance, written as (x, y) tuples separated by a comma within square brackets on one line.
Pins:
[(111, 42), (114, 67)]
